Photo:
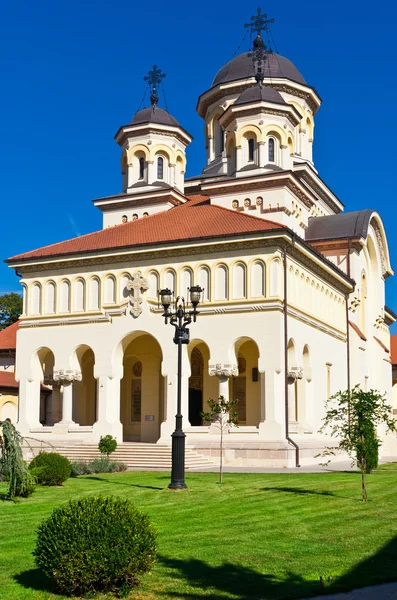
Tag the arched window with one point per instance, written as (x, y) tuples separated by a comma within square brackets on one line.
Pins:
[(35, 299), (79, 295), (170, 280), (271, 150), (124, 292), (94, 294), (204, 281), (221, 283), (258, 279), (141, 168), (110, 290), (160, 167), (219, 138), (186, 282), (274, 278), (239, 281), (24, 299), (153, 284), (64, 297), (251, 150), (49, 298)]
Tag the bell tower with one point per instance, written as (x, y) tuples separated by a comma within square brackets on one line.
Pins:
[(153, 161)]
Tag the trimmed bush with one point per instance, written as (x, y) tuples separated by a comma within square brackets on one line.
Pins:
[(96, 544), (98, 465), (50, 468), (107, 444), (80, 467)]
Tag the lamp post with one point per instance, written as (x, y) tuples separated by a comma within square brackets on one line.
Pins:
[(177, 314)]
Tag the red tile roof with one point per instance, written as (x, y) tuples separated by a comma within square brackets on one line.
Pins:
[(8, 337), (7, 380), (393, 349), (194, 220)]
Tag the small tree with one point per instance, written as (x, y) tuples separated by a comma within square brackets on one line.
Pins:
[(107, 445), (353, 417), (12, 466), (10, 309), (223, 414)]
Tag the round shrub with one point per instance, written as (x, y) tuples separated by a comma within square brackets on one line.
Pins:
[(96, 544), (50, 468)]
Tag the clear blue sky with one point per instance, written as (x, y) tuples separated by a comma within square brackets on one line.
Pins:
[(71, 74)]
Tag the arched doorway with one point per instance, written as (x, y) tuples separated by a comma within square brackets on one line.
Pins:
[(142, 390), (196, 384), (245, 388), (48, 410), (85, 391)]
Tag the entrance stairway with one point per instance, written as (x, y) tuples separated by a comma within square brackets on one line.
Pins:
[(136, 455)]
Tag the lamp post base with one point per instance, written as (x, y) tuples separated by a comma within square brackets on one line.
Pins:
[(178, 461)]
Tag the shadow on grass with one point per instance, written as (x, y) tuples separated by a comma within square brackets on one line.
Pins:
[(300, 491), (35, 579), (147, 487), (243, 583)]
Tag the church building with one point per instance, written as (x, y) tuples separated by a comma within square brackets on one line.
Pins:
[(293, 302)]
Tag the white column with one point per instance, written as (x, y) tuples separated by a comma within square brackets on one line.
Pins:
[(108, 408), (239, 158), (261, 154), (130, 175), (211, 149), (224, 386), (28, 405), (150, 172), (172, 175), (67, 403), (272, 405), (284, 157)]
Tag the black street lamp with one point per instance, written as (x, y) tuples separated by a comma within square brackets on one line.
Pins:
[(178, 315)]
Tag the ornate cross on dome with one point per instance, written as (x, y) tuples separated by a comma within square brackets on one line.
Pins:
[(259, 23), (154, 77)]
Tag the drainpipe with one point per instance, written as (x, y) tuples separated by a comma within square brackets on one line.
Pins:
[(348, 331), (287, 436)]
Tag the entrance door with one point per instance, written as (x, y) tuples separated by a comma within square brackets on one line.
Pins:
[(195, 406), (196, 387)]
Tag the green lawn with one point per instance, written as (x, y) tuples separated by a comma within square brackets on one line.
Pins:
[(255, 537)]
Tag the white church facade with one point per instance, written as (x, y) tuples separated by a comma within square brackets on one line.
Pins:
[(293, 307)]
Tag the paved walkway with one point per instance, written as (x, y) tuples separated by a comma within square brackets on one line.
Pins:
[(387, 591), (331, 468)]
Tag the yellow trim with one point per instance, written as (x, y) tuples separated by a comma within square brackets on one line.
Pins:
[(251, 128), (159, 148), (134, 150)]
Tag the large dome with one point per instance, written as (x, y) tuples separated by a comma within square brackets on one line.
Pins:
[(241, 67)]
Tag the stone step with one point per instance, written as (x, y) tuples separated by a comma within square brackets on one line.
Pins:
[(136, 455)]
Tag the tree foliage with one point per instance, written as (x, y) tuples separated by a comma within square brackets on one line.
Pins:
[(223, 415), (12, 466), (353, 417), (10, 309), (107, 444)]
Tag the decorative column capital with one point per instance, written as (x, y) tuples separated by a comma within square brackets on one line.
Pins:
[(67, 376), (223, 370)]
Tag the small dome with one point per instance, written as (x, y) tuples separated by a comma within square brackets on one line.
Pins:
[(153, 114), (258, 94), (241, 67)]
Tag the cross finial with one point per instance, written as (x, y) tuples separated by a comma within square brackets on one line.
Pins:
[(154, 77), (259, 22)]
